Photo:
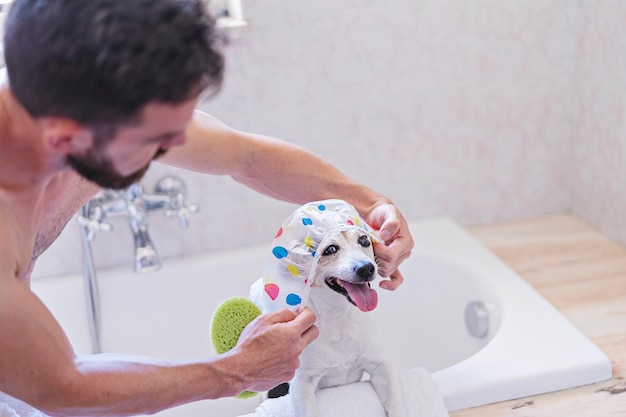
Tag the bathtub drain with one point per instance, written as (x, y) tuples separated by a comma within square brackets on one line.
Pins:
[(477, 319)]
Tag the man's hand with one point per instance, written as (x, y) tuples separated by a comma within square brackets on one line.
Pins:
[(398, 243), (270, 346)]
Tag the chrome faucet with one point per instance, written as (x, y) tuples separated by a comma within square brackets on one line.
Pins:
[(133, 203)]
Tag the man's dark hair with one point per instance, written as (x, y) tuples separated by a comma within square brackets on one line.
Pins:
[(101, 61)]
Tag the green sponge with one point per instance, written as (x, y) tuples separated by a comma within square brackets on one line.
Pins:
[(227, 323)]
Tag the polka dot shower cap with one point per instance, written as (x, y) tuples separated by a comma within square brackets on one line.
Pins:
[(289, 269)]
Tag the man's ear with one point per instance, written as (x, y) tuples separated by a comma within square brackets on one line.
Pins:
[(65, 136)]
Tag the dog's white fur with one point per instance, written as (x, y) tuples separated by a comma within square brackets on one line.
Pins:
[(346, 346)]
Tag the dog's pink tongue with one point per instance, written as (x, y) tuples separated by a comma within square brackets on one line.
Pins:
[(365, 298)]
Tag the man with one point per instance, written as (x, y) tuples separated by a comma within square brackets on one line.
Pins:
[(97, 89)]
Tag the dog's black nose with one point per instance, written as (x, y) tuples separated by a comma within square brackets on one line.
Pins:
[(364, 270)]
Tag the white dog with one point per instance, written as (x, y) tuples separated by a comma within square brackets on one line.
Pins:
[(329, 258)]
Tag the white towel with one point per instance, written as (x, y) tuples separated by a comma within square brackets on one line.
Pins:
[(422, 398), (12, 407)]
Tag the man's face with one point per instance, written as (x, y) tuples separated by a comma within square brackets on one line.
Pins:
[(122, 160)]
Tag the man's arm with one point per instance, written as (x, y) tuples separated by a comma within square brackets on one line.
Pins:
[(38, 365), (271, 166), (288, 172)]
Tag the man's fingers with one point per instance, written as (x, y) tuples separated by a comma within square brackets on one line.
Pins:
[(310, 334), (394, 281), (306, 318), (396, 244), (389, 229), (305, 321), (281, 316), (302, 325), (388, 259)]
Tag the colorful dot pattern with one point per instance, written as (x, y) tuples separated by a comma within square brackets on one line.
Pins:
[(288, 269)]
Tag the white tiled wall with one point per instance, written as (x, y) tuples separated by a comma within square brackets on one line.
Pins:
[(481, 110), (599, 141)]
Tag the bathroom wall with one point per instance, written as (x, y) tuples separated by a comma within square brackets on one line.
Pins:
[(480, 110), (599, 141)]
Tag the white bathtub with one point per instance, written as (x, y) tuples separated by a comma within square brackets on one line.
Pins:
[(529, 347)]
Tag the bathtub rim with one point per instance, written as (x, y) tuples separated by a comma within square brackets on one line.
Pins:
[(553, 370)]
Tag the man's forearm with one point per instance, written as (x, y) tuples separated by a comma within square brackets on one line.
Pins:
[(299, 176), (123, 385), (273, 167)]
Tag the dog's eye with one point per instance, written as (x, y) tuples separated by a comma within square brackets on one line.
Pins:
[(364, 241), (330, 250)]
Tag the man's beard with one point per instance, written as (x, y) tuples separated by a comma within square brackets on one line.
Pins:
[(99, 169)]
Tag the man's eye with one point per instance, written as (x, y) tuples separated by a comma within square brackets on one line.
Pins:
[(364, 241), (330, 250)]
